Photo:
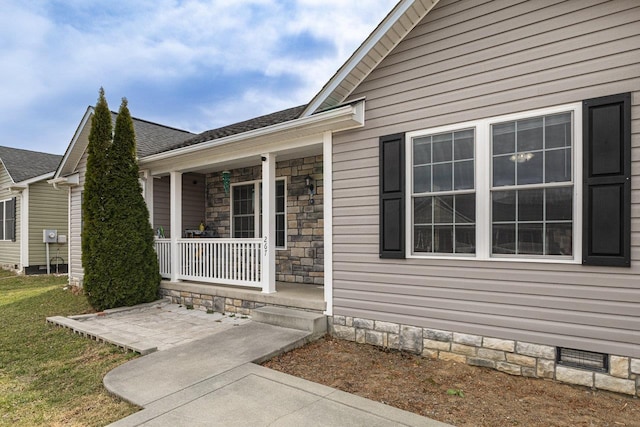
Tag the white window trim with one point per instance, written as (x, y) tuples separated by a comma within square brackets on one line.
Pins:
[(256, 192), (3, 223), (483, 187)]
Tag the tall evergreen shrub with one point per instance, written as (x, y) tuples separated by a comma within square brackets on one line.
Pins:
[(124, 269), (94, 213)]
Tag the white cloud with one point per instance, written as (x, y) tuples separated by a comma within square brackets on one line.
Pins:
[(57, 52)]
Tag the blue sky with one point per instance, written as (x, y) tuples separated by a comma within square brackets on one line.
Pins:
[(190, 64)]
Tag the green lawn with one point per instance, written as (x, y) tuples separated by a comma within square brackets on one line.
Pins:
[(48, 375)]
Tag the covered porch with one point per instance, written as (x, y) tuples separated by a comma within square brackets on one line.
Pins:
[(235, 235)]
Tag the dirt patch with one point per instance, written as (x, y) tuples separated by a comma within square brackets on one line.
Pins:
[(452, 392)]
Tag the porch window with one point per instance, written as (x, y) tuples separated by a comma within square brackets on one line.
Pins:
[(245, 221)]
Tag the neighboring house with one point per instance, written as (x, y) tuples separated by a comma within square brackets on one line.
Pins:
[(461, 187), (28, 205), (150, 138)]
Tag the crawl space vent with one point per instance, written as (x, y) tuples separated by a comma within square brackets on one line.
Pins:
[(583, 359)]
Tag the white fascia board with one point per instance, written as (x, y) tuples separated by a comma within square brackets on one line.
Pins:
[(70, 180), (36, 179), (342, 118), (72, 145)]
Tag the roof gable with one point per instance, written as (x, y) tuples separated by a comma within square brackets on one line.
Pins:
[(151, 138), (395, 26), (22, 165)]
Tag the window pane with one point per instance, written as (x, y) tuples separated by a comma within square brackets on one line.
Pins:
[(443, 210), (530, 205), (443, 238), (504, 171), (558, 165), (530, 171), (557, 130), (529, 136), (504, 206), (442, 150), (463, 175), (422, 240), (530, 240), (280, 198), (463, 145), (442, 177), (465, 239), (280, 235), (465, 208), (421, 179), (504, 138), (504, 237), (1, 220), (422, 150), (559, 204), (559, 239), (422, 210)]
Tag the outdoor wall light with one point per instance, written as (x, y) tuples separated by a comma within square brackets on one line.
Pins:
[(308, 182), (226, 181)]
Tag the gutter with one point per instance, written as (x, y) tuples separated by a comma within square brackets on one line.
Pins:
[(65, 181), (355, 112)]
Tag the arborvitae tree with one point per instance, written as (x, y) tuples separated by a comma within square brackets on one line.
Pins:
[(121, 268), (133, 266), (94, 215)]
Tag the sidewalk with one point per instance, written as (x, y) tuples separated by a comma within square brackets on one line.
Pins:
[(212, 379)]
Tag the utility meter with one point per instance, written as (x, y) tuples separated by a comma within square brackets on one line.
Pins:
[(49, 236)]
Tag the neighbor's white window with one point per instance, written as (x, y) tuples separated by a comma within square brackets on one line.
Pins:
[(503, 187)]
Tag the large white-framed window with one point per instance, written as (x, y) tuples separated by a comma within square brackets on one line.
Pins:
[(500, 188), (245, 197), (8, 219)]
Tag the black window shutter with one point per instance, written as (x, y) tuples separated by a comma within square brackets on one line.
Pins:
[(392, 193), (607, 181)]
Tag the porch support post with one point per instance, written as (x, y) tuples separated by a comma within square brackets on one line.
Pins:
[(148, 195), (268, 223), (175, 202), (327, 215)]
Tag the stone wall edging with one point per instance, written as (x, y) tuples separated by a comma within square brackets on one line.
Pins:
[(510, 356)]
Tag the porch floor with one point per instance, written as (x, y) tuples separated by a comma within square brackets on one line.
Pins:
[(297, 295)]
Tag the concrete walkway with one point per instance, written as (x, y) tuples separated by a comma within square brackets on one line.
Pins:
[(213, 380)]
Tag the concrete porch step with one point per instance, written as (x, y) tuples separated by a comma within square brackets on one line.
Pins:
[(315, 323)]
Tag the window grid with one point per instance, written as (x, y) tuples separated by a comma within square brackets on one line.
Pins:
[(560, 170), (420, 244), (518, 188)]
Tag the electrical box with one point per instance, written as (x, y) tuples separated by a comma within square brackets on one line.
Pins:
[(62, 238), (49, 236)]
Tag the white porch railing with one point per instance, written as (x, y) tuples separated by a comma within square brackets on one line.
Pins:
[(223, 261), (163, 249)]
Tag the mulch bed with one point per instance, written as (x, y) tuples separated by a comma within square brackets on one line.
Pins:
[(452, 392)]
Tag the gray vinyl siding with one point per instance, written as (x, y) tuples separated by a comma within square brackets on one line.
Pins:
[(193, 202), (470, 60), (76, 272), (10, 251), (47, 210)]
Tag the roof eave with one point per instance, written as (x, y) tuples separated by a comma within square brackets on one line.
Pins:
[(386, 31), (342, 118)]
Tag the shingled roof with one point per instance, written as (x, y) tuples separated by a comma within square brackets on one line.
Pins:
[(240, 127), (152, 138), (24, 164)]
